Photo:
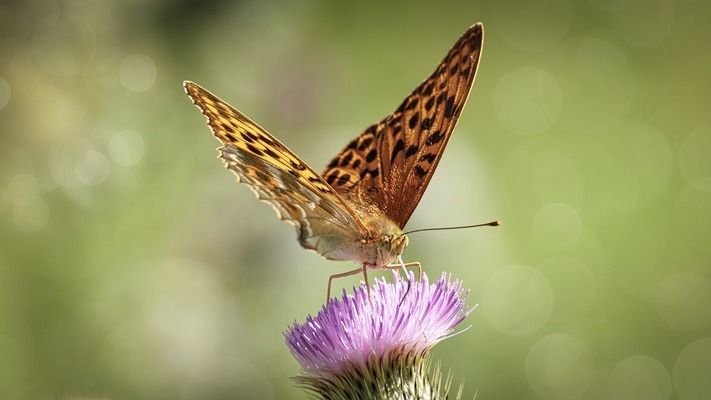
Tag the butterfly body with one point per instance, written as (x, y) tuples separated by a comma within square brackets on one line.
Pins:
[(357, 208)]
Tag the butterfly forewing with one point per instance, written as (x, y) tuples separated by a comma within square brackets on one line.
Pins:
[(276, 175), (391, 163)]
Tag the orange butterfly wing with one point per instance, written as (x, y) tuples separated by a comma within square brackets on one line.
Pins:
[(277, 176), (391, 163)]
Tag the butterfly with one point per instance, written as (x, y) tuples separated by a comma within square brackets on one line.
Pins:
[(356, 209)]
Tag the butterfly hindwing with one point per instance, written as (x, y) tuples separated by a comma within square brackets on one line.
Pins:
[(276, 175), (392, 162)]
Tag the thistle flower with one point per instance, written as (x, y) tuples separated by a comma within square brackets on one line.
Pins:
[(377, 346)]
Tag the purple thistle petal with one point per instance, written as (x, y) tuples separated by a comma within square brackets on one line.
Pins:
[(355, 329)]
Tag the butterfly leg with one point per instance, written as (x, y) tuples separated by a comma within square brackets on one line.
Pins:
[(344, 274)]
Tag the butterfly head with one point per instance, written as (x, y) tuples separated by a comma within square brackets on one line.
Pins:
[(388, 246), (398, 244)]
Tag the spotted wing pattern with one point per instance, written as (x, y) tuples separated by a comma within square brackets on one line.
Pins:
[(276, 175), (391, 163)]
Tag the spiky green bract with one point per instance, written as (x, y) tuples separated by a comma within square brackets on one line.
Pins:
[(398, 375)]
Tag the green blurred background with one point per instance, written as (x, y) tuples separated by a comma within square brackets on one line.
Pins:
[(133, 266)]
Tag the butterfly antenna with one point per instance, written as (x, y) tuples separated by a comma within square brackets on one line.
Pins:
[(446, 228)]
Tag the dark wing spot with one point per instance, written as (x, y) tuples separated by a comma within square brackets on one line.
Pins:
[(410, 151), (441, 98), (413, 103), (434, 138), (228, 128), (346, 159), (466, 67), (252, 135), (365, 143), (429, 157), (401, 107), (254, 150), (371, 129), (298, 166), (399, 146), (413, 120), (356, 163), (270, 142), (332, 177), (333, 163), (428, 89), (449, 107), (430, 103), (271, 153), (247, 138), (343, 179), (372, 154), (230, 136), (453, 69), (396, 129), (419, 171), (293, 173), (426, 123), (352, 144), (372, 172)]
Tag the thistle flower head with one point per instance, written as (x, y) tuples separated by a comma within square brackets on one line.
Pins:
[(388, 333)]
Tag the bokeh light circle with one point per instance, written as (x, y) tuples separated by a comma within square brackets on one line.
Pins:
[(694, 158), (126, 148), (647, 23), (30, 213), (23, 185), (4, 93), (520, 23), (91, 168), (684, 301), (574, 286), (557, 224), (527, 101), (137, 72), (649, 157), (693, 217), (517, 300), (625, 172), (597, 83), (639, 378), (63, 46), (559, 366), (222, 378), (692, 371), (541, 172)]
